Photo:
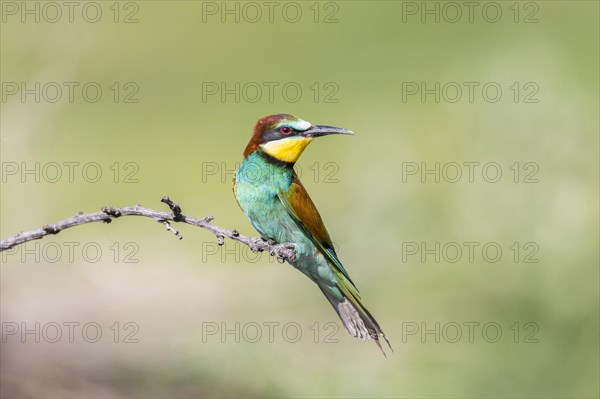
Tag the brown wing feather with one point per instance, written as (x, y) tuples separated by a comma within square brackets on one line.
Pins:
[(304, 212), (307, 212)]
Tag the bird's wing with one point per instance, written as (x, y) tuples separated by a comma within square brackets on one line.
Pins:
[(304, 212)]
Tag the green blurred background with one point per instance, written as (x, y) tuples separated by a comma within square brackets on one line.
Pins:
[(176, 142)]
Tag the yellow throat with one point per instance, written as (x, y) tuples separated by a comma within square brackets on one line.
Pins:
[(288, 149)]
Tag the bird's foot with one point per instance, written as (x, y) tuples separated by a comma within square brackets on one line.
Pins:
[(284, 252)]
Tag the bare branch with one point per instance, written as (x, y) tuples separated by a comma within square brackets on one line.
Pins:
[(283, 252)]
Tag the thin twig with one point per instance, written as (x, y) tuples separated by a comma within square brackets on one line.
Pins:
[(284, 252)]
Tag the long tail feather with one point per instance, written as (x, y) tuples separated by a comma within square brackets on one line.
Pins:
[(356, 318)]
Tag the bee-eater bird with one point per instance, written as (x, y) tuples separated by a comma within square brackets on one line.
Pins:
[(278, 206)]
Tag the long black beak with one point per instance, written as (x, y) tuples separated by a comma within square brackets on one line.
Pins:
[(318, 131)]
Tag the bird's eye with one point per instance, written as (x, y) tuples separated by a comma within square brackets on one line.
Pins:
[(286, 130)]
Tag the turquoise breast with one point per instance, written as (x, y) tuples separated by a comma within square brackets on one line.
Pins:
[(257, 184)]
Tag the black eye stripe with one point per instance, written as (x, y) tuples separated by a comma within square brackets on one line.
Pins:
[(275, 133)]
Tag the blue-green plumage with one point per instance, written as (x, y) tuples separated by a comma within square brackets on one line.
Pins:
[(279, 208), (258, 184)]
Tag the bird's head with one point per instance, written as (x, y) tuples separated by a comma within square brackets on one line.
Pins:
[(284, 137)]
